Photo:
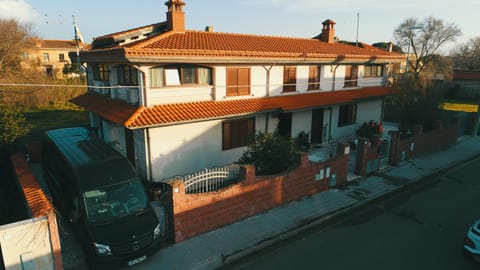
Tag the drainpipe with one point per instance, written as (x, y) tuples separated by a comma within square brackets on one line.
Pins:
[(333, 69), (267, 69), (149, 154), (330, 126)]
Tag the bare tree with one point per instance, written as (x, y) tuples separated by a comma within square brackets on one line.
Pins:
[(15, 39), (467, 56), (423, 39)]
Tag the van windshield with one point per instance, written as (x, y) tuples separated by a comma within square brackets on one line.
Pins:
[(115, 201)]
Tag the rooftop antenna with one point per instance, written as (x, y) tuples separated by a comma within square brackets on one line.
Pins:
[(358, 25)]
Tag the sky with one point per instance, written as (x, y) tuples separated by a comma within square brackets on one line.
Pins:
[(52, 19)]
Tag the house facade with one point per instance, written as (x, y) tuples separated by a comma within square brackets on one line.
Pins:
[(51, 56), (176, 101)]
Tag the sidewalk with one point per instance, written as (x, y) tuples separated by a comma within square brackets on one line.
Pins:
[(214, 249)]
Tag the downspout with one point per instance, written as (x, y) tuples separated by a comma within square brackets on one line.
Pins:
[(149, 154), (333, 69), (267, 89), (330, 126)]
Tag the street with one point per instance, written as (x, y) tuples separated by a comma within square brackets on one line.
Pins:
[(421, 228)]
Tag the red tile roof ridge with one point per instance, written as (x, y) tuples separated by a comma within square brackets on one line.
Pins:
[(36, 199), (134, 116)]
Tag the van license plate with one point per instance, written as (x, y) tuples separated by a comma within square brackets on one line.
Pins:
[(137, 260)]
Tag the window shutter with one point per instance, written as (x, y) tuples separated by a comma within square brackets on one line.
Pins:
[(232, 82), (243, 81)]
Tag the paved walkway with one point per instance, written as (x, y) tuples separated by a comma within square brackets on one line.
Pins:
[(214, 249)]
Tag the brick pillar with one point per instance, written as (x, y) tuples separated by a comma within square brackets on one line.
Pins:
[(394, 157), (361, 158)]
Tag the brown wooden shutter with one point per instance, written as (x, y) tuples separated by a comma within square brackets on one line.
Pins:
[(313, 78), (232, 82), (289, 79), (243, 81)]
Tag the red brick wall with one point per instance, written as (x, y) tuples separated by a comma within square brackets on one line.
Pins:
[(194, 214), (422, 143)]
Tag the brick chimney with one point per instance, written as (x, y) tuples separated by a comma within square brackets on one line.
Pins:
[(328, 31), (175, 15)]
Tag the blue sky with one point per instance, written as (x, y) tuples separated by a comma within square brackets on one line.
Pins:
[(52, 19)]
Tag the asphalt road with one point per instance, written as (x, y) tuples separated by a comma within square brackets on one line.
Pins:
[(421, 228)]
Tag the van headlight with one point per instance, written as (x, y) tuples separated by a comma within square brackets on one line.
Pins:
[(156, 232), (102, 250)]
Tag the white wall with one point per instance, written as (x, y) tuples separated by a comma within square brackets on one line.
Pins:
[(26, 245), (301, 121), (369, 110), (182, 149)]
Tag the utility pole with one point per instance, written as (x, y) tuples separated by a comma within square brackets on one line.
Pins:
[(78, 37)]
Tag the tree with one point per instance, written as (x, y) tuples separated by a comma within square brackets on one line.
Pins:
[(15, 39), (467, 56), (13, 125), (423, 40)]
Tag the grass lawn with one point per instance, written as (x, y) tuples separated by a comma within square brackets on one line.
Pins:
[(45, 119)]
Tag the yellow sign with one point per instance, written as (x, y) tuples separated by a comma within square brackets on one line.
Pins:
[(459, 107)]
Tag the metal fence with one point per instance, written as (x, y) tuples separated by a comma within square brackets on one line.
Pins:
[(211, 179)]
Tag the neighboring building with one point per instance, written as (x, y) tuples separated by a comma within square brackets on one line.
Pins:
[(52, 56), (466, 84), (176, 101)]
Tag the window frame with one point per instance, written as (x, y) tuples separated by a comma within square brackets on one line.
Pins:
[(101, 72), (314, 78), (347, 114), (351, 76), (235, 85), (180, 77), (46, 57), (61, 57), (289, 76), (127, 75), (238, 133), (373, 71)]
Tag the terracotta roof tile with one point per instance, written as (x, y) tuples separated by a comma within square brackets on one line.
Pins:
[(36, 198), (217, 44), (123, 114)]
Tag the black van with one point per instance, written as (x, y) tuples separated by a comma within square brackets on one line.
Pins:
[(98, 190)]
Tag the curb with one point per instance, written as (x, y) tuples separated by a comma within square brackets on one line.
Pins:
[(336, 215)]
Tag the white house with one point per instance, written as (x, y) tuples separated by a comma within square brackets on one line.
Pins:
[(176, 101)]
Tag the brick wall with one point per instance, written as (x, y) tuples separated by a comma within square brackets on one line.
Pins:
[(368, 152), (421, 143), (194, 214)]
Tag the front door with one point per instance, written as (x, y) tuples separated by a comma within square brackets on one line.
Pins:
[(285, 124), (317, 126)]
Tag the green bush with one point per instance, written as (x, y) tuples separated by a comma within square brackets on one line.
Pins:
[(302, 142), (13, 125), (271, 153)]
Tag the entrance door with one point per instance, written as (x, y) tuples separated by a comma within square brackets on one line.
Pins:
[(317, 126), (285, 125)]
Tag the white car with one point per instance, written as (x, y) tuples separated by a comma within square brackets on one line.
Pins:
[(471, 244)]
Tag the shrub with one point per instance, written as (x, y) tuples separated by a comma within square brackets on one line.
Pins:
[(13, 125), (270, 153), (302, 142)]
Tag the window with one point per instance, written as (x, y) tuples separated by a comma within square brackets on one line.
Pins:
[(347, 115), (237, 133), (238, 82), (373, 71), (289, 79), (46, 57), (127, 75), (351, 76), (179, 75), (314, 78), (61, 57), (101, 72), (26, 55)]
